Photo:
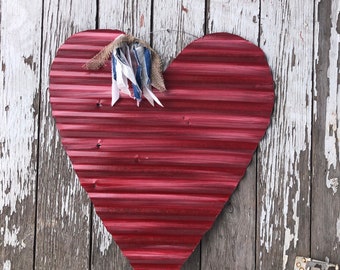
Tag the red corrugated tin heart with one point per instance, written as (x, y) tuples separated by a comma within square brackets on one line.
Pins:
[(158, 177)]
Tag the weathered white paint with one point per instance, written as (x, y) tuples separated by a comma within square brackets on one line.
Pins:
[(225, 244), (326, 145), (284, 153), (290, 235), (104, 239), (185, 22), (62, 224), (133, 17), (332, 183), (240, 17), (20, 80), (332, 143), (10, 236), (332, 123), (286, 37), (19, 86), (7, 265)]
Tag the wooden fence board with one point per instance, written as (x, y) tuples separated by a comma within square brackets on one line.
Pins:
[(63, 216), (292, 210), (325, 202), (135, 19), (175, 25), (284, 158), (19, 106), (105, 252), (230, 244), (132, 17)]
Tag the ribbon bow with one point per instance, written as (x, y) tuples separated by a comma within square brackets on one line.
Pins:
[(134, 61)]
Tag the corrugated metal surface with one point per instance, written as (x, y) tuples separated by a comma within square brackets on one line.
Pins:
[(158, 177)]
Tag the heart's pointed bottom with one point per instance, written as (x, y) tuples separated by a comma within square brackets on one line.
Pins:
[(158, 177)]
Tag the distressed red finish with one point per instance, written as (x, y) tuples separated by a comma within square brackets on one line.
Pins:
[(158, 177)]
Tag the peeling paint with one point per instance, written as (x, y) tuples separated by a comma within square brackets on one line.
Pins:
[(185, 9), (326, 132), (286, 184), (332, 183), (29, 61), (18, 124), (15, 185), (290, 235), (104, 238), (284, 159), (20, 36), (332, 146), (280, 187), (327, 103), (142, 21), (7, 265), (10, 236)]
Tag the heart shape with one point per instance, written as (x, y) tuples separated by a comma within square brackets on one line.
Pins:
[(158, 177)]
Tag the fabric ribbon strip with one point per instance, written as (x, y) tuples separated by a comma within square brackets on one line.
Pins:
[(134, 61)]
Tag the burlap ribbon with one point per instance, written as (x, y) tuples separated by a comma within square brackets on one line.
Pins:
[(99, 59)]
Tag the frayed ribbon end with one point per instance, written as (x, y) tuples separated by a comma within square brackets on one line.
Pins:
[(132, 61)]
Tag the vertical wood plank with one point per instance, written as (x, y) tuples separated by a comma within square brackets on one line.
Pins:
[(130, 16), (63, 220), (326, 134), (236, 17), (284, 157), (175, 25), (230, 244), (105, 252), (63, 225), (20, 47), (133, 17)]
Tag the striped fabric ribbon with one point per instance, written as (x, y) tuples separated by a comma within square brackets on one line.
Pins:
[(132, 63)]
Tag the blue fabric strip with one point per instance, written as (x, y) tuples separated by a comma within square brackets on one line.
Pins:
[(114, 71), (148, 59), (132, 63), (136, 88)]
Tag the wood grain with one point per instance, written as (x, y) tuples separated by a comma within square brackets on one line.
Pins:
[(175, 25), (63, 210), (19, 106), (325, 232), (297, 164), (105, 252), (284, 155), (230, 244), (132, 17)]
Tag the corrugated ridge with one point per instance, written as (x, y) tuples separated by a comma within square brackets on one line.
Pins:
[(158, 177)]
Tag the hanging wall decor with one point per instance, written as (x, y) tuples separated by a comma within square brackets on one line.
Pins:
[(159, 166)]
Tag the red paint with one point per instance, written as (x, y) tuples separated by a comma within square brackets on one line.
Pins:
[(160, 176), (185, 9)]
